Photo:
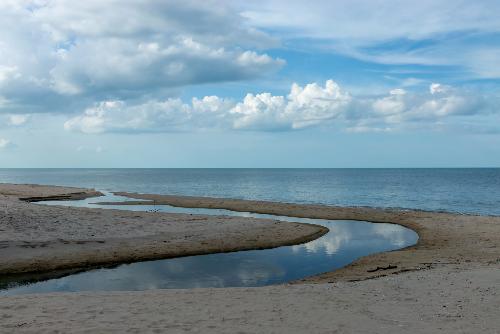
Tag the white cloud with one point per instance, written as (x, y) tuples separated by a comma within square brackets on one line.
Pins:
[(17, 120), (5, 143), (65, 53), (13, 120), (311, 105), (261, 111), (117, 116), (428, 32), (436, 88), (360, 20), (362, 129), (314, 104), (83, 148), (441, 102), (303, 107), (397, 91), (8, 73)]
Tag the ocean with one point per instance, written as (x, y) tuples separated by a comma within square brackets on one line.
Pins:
[(459, 190)]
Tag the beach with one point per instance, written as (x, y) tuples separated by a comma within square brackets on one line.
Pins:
[(182, 166), (40, 238), (441, 300), (447, 282), (444, 238)]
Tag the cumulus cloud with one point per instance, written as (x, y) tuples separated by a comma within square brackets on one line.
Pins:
[(439, 103), (304, 106), (57, 53)]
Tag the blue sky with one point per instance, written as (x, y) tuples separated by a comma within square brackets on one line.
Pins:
[(249, 83)]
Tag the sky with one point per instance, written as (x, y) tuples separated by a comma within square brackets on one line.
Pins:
[(168, 83)]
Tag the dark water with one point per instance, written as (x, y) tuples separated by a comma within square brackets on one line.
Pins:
[(345, 242), (475, 191)]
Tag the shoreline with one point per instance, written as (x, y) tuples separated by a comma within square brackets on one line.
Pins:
[(458, 292), (444, 238), (39, 239)]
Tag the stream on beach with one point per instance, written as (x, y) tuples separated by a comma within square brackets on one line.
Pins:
[(345, 242)]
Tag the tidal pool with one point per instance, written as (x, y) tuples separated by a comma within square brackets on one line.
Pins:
[(345, 242)]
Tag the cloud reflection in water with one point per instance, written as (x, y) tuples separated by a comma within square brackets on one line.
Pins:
[(346, 241)]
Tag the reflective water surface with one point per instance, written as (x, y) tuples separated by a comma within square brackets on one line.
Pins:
[(345, 242)]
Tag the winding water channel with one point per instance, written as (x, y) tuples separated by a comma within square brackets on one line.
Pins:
[(345, 242)]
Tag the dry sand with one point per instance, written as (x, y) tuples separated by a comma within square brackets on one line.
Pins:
[(441, 300), (448, 283)]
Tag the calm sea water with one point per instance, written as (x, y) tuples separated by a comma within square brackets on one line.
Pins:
[(475, 191)]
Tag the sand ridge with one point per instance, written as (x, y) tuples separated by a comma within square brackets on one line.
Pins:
[(444, 238), (40, 238)]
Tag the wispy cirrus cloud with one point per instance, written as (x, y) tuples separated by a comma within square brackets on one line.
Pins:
[(461, 34)]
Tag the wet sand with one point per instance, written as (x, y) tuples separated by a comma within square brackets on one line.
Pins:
[(447, 283)]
